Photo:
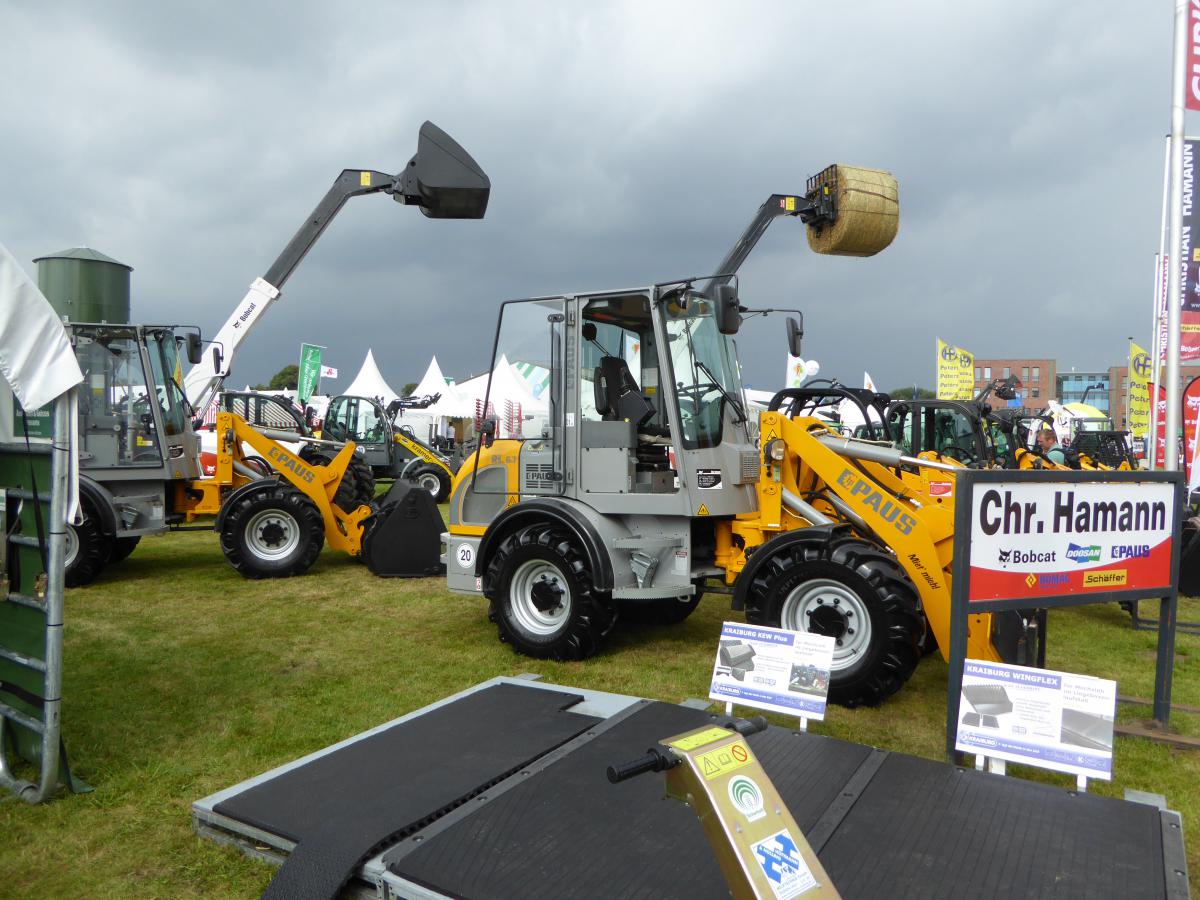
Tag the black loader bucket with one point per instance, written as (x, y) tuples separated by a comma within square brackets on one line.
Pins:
[(403, 539)]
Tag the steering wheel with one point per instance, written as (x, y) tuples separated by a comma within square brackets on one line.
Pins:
[(959, 454)]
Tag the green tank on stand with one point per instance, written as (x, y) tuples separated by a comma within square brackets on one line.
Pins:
[(84, 285)]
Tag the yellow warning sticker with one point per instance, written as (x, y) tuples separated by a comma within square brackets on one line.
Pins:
[(702, 511), (716, 763), (1104, 578), (789, 204), (364, 179), (692, 741)]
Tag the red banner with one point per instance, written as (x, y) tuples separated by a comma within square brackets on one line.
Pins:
[(1161, 431), (1191, 418), (1192, 73)]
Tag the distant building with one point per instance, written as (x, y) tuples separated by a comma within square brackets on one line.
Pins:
[(1092, 388), (1037, 378), (1118, 379)]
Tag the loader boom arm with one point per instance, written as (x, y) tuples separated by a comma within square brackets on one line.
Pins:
[(204, 379), (441, 178)]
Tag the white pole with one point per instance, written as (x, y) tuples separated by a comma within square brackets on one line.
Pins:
[(1176, 264), (1156, 335)]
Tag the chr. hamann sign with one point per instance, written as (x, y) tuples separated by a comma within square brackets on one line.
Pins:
[(1030, 539)]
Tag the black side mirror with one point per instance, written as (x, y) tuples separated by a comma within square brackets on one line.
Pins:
[(795, 333), (488, 427), (728, 311), (195, 348), (217, 359)]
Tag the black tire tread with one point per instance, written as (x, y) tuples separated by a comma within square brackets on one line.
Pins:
[(894, 593), (595, 616), (122, 547), (442, 477), (95, 547), (306, 514)]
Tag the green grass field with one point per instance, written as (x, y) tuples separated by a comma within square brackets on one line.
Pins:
[(182, 678)]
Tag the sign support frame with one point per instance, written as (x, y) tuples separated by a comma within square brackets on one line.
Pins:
[(961, 608)]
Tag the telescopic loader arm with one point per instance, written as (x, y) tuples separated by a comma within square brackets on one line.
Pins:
[(442, 179)]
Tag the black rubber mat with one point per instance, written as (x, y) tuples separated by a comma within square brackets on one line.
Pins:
[(340, 807), (927, 830), (566, 832)]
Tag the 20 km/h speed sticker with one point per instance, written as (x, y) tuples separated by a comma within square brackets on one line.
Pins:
[(465, 556)]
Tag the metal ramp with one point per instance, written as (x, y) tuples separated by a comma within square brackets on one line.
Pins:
[(550, 825), (33, 507)]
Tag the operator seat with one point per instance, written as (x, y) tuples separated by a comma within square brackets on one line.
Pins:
[(618, 398)]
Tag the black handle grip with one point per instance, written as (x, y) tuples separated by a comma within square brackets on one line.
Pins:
[(651, 761), (747, 727)]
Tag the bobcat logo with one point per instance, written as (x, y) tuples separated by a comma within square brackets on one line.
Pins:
[(1005, 555)]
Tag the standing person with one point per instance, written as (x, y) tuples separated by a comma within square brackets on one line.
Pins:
[(1051, 448)]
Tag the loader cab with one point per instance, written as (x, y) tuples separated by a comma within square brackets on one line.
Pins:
[(134, 421), (948, 428), (364, 421), (642, 411)]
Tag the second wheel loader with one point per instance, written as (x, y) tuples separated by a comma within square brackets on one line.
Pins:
[(646, 482)]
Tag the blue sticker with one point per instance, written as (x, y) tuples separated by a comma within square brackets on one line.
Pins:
[(782, 864)]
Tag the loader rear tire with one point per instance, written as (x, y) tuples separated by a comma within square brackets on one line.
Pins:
[(542, 596), (668, 611), (274, 533), (357, 487), (854, 592), (435, 480)]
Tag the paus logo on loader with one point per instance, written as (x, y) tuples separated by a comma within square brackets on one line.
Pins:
[(289, 462), (868, 495)]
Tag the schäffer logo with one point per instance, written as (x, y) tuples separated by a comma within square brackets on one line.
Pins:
[(1088, 554)]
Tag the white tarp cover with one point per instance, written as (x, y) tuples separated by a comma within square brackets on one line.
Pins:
[(369, 382), (36, 358)]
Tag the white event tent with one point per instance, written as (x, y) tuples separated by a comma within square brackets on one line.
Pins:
[(369, 382)]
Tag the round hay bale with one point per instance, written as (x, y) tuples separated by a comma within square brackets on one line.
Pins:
[(868, 211)]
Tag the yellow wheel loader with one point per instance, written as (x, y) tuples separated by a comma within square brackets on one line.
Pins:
[(646, 482)]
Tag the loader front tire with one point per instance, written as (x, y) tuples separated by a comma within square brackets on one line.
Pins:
[(434, 480), (357, 487), (542, 596), (854, 592), (274, 533), (88, 549)]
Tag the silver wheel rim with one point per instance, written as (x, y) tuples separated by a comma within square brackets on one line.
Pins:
[(430, 482), (533, 573), (72, 546), (272, 534), (825, 606)]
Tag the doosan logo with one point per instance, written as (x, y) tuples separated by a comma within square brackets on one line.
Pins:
[(1078, 554)]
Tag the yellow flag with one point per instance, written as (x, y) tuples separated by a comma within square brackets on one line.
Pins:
[(966, 375), (1140, 371), (947, 371)]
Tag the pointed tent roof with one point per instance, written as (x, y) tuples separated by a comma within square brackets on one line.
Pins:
[(369, 382), (507, 384), (451, 405)]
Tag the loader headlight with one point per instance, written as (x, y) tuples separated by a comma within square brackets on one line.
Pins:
[(774, 450)]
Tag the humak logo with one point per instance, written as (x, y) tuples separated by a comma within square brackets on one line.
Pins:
[(1078, 554), (864, 493), (1141, 365)]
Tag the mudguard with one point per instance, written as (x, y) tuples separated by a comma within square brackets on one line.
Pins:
[(99, 501), (245, 490), (554, 510), (816, 534)]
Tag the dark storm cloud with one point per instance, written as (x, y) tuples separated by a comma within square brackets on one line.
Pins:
[(626, 143)]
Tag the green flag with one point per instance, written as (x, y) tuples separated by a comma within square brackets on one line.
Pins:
[(310, 372)]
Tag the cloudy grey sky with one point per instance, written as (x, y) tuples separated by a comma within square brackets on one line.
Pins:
[(627, 142)]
